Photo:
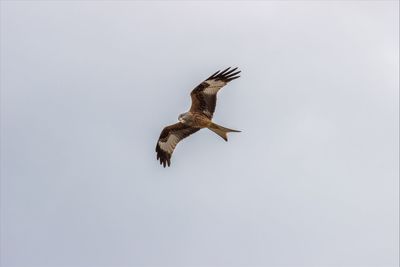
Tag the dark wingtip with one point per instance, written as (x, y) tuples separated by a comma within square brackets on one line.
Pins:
[(227, 75), (233, 78), (163, 157), (224, 71), (230, 72), (213, 76)]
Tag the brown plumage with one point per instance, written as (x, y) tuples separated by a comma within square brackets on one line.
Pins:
[(204, 96), (204, 99), (169, 138)]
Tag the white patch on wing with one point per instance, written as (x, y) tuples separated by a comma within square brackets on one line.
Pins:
[(213, 87), (169, 146)]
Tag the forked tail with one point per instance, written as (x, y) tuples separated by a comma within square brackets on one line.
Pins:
[(221, 131)]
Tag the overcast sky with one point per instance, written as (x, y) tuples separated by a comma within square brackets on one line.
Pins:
[(312, 179)]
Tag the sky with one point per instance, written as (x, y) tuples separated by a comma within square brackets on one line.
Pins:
[(312, 180)]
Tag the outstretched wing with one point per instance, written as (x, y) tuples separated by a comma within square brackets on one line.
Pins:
[(204, 96), (169, 138)]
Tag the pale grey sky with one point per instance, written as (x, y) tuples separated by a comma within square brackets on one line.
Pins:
[(87, 86)]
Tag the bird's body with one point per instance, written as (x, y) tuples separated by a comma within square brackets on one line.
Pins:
[(204, 98), (195, 119)]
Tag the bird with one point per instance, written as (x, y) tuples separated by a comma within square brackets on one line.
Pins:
[(199, 116)]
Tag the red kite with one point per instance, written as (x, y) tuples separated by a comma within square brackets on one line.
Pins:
[(204, 99)]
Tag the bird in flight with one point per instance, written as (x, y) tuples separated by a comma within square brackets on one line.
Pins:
[(204, 99)]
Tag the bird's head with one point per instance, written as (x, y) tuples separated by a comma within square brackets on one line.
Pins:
[(182, 117)]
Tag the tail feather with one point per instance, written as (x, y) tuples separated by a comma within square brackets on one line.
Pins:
[(221, 131)]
